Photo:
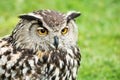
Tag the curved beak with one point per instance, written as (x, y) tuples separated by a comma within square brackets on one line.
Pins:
[(56, 42)]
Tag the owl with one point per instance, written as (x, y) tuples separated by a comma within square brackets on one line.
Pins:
[(43, 46)]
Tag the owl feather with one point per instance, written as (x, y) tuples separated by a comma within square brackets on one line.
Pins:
[(43, 46)]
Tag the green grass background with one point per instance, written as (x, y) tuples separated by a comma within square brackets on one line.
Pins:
[(99, 31)]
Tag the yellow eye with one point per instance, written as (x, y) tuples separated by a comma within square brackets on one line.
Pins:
[(43, 31), (64, 31)]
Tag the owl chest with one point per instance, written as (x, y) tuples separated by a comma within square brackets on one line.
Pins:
[(47, 67), (63, 71), (50, 68), (36, 69), (59, 68)]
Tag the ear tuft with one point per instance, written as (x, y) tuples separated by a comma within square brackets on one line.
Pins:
[(72, 15), (30, 16)]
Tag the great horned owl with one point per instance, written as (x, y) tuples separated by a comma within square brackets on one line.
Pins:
[(43, 46)]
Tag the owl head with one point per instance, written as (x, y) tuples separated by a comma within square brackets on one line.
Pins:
[(45, 30)]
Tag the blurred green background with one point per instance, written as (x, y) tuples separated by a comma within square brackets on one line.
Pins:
[(99, 31)]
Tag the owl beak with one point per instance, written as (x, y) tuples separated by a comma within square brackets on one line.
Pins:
[(56, 42)]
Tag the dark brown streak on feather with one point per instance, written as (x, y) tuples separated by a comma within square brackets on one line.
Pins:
[(7, 52), (45, 57), (4, 66), (9, 57), (52, 71)]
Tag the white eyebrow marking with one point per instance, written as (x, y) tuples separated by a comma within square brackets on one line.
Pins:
[(40, 28)]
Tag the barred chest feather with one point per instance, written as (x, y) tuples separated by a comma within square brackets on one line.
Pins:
[(40, 65)]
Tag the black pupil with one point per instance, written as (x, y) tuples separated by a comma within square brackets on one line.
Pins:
[(43, 30), (63, 30)]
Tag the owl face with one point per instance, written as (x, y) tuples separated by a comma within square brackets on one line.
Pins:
[(45, 30)]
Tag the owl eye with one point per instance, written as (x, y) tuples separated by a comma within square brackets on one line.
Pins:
[(64, 31), (43, 31)]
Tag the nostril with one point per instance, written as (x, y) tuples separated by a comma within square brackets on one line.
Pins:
[(56, 42)]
